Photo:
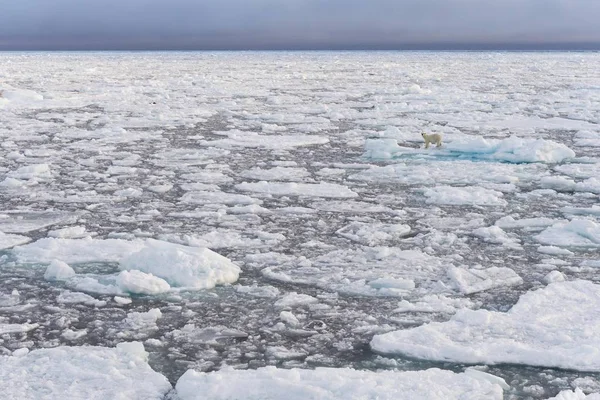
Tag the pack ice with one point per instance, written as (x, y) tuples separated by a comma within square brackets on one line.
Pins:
[(557, 326)]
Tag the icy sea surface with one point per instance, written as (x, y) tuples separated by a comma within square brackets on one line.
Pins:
[(306, 172)]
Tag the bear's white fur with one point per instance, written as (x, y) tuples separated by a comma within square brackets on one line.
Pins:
[(433, 138)]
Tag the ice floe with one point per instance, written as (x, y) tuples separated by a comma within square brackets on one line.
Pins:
[(8, 240), (182, 266), (575, 233), (472, 280), (82, 373), (336, 384), (473, 195), (58, 271), (322, 189), (512, 149), (179, 265), (544, 329)]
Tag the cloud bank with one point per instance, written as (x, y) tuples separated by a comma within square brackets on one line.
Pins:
[(270, 24)]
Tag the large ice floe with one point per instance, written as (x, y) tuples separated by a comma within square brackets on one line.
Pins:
[(149, 266), (339, 383), (512, 149), (82, 373), (556, 326), (575, 233)]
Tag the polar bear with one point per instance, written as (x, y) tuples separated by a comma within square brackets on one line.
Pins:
[(433, 138)]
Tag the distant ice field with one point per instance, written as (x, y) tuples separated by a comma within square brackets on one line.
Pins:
[(277, 212)]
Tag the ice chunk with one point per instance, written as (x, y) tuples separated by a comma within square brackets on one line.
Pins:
[(576, 233), (72, 232), (336, 384), (82, 373), (292, 300), (238, 138), (182, 266), (470, 281), (543, 329), (509, 222), (321, 189), (190, 334), (8, 240), (473, 195), (17, 328), (58, 271), (143, 320), (512, 149), (373, 234), (555, 251), (577, 394), (435, 304), (73, 251), (554, 276), (75, 298), (495, 234), (559, 183), (139, 282), (34, 171)]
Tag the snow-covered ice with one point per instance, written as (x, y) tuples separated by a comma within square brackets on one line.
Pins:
[(336, 384), (551, 327), (82, 373)]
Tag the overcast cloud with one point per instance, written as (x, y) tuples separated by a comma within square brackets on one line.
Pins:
[(270, 24)]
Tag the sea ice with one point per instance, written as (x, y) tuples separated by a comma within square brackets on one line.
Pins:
[(82, 373), (576, 233), (336, 384), (543, 329), (58, 271), (8, 240), (321, 189), (577, 394), (182, 266), (512, 149), (138, 282), (470, 281), (473, 195)]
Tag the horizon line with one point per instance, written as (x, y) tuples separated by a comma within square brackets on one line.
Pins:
[(457, 46)]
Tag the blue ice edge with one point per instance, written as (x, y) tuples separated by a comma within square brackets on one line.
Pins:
[(512, 150)]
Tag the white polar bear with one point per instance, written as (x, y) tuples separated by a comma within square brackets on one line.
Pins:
[(433, 138)]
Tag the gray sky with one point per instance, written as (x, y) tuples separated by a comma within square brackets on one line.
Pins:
[(296, 24)]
